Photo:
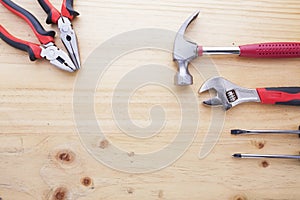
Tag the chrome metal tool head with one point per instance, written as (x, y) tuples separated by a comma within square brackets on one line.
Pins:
[(69, 39), (184, 52), (57, 57), (228, 94)]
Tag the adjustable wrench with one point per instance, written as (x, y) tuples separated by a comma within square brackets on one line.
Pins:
[(230, 95)]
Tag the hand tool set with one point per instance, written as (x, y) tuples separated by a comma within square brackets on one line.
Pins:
[(47, 50), (228, 94)]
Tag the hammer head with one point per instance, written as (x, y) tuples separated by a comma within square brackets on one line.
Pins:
[(184, 52)]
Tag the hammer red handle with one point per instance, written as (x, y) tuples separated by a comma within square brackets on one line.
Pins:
[(282, 96), (271, 50)]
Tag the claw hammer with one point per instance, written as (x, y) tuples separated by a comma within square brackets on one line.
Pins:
[(186, 51)]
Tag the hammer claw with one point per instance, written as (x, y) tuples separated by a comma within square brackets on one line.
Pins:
[(188, 22)]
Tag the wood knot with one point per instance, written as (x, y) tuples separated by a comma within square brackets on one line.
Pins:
[(104, 144), (160, 194), (66, 156), (130, 190), (239, 197), (131, 154), (265, 164), (60, 194), (259, 144), (86, 181)]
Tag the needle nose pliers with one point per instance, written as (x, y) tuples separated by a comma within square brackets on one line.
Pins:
[(47, 49), (63, 20)]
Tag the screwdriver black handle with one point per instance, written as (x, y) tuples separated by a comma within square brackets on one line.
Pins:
[(44, 36)]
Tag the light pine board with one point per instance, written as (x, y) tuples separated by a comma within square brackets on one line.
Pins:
[(37, 123)]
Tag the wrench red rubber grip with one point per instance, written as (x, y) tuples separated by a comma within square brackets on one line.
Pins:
[(271, 50), (43, 36), (33, 50), (53, 13), (67, 9), (282, 96)]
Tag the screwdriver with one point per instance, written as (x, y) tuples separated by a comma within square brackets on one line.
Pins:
[(252, 132), (239, 155)]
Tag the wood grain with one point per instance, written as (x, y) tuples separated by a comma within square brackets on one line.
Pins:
[(42, 156)]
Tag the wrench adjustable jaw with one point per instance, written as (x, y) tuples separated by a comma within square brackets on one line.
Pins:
[(184, 52), (228, 94)]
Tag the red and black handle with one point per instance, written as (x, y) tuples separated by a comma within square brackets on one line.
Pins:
[(33, 50), (282, 96), (271, 50), (67, 9), (54, 15), (44, 36)]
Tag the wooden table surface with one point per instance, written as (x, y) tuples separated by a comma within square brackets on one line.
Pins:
[(42, 154)]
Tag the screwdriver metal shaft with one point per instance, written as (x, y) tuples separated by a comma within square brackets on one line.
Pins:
[(239, 155), (252, 132)]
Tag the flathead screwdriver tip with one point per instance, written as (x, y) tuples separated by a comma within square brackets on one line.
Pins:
[(237, 155), (238, 132), (204, 102)]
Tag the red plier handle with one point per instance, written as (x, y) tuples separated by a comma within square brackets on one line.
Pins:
[(54, 15), (43, 36), (34, 50)]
